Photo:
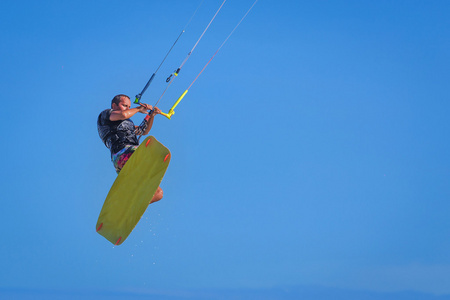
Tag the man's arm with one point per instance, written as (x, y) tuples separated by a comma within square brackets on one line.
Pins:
[(150, 121), (118, 115)]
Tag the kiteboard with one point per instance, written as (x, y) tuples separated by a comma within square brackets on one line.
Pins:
[(133, 190)]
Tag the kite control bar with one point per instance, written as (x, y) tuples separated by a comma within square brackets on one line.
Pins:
[(171, 110), (171, 77)]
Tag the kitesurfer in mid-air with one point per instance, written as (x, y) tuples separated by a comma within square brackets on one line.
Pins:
[(118, 132)]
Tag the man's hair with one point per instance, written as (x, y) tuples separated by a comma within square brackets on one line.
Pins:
[(117, 98)]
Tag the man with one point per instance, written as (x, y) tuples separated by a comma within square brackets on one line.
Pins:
[(118, 132)]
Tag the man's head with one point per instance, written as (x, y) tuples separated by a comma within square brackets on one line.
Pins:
[(120, 102)]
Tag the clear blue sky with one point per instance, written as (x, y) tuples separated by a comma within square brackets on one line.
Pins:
[(311, 156)]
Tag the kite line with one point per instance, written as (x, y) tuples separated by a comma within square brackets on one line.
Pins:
[(137, 100), (172, 109)]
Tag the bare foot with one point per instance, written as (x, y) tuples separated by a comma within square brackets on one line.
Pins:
[(158, 195)]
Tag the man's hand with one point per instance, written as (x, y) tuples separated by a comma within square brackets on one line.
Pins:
[(156, 111), (143, 108)]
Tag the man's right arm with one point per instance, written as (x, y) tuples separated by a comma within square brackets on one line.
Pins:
[(119, 115)]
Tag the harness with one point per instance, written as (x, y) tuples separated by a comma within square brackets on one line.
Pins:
[(116, 134)]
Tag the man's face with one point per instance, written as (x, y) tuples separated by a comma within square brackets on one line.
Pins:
[(124, 104)]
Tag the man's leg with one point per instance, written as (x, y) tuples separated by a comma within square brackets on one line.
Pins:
[(120, 158)]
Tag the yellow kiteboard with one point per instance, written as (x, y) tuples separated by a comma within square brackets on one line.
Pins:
[(133, 190)]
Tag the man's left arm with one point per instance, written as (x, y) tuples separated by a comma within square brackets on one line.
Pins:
[(150, 120)]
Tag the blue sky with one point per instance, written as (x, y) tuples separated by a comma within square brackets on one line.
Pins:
[(311, 156)]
